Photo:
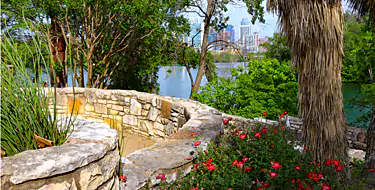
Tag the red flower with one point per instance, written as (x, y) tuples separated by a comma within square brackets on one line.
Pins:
[(234, 162), (273, 174), (276, 165), (275, 130), (264, 113), (282, 127), (245, 159), (285, 113), (123, 178), (229, 119), (197, 143), (264, 130), (371, 170), (205, 151), (196, 166), (243, 136), (339, 168), (193, 188), (239, 165), (225, 122), (328, 162), (257, 135), (263, 170), (192, 133), (248, 169), (272, 146), (305, 147), (298, 180), (314, 176), (336, 162), (161, 177), (229, 188), (190, 158), (325, 187), (293, 180), (282, 115), (234, 134), (211, 167), (209, 160), (298, 167)]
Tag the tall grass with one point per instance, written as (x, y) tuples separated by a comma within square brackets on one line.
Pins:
[(24, 103)]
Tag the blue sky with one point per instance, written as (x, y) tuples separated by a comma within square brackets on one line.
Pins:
[(236, 13)]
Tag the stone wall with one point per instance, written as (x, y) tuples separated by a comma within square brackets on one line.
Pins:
[(87, 160), (171, 120)]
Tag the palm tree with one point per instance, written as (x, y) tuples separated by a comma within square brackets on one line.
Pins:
[(314, 29), (367, 7)]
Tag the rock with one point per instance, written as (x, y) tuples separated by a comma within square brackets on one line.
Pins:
[(118, 108), (130, 119), (169, 129), (135, 107), (166, 109), (100, 108), (146, 126), (153, 114), (89, 107)]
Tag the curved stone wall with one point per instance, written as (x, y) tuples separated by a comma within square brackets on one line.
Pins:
[(87, 160), (171, 120)]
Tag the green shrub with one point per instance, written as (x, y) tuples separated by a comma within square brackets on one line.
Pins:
[(264, 157), (268, 86), (24, 106)]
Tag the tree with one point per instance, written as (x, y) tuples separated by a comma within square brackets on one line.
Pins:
[(367, 7), (213, 17), (314, 30), (277, 47), (268, 86)]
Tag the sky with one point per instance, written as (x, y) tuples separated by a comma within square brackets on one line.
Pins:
[(236, 13)]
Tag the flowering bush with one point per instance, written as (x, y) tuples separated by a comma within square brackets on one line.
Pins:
[(262, 158)]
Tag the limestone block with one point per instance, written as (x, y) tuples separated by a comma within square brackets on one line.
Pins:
[(154, 101), (159, 126), (153, 114), (166, 109), (147, 126), (62, 100), (100, 108), (159, 133), (101, 101), (180, 122), (118, 108), (144, 112), (103, 94), (135, 107), (95, 174), (112, 112), (169, 129), (130, 119), (146, 106), (65, 185), (75, 105)]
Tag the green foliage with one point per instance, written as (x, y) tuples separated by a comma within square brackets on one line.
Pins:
[(227, 57), (277, 47), (267, 86), (24, 105), (247, 159), (359, 57)]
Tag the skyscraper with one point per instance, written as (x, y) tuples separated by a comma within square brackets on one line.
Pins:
[(256, 41), (245, 33)]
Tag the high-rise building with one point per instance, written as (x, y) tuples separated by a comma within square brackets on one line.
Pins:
[(262, 41), (256, 41), (245, 33)]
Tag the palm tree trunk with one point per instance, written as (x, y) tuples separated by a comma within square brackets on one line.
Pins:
[(315, 34), (370, 151)]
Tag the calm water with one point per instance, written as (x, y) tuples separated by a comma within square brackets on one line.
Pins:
[(177, 84)]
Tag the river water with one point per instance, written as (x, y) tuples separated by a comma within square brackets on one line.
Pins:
[(175, 81)]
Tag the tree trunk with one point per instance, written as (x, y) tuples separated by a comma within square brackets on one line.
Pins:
[(314, 30), (370, 74), (202, 63), (370, 152), (58, 51)]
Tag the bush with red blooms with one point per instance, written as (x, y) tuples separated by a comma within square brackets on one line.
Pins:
[(262, 158)]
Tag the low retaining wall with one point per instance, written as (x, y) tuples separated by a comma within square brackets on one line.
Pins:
[(87, 160), (171, 120)]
